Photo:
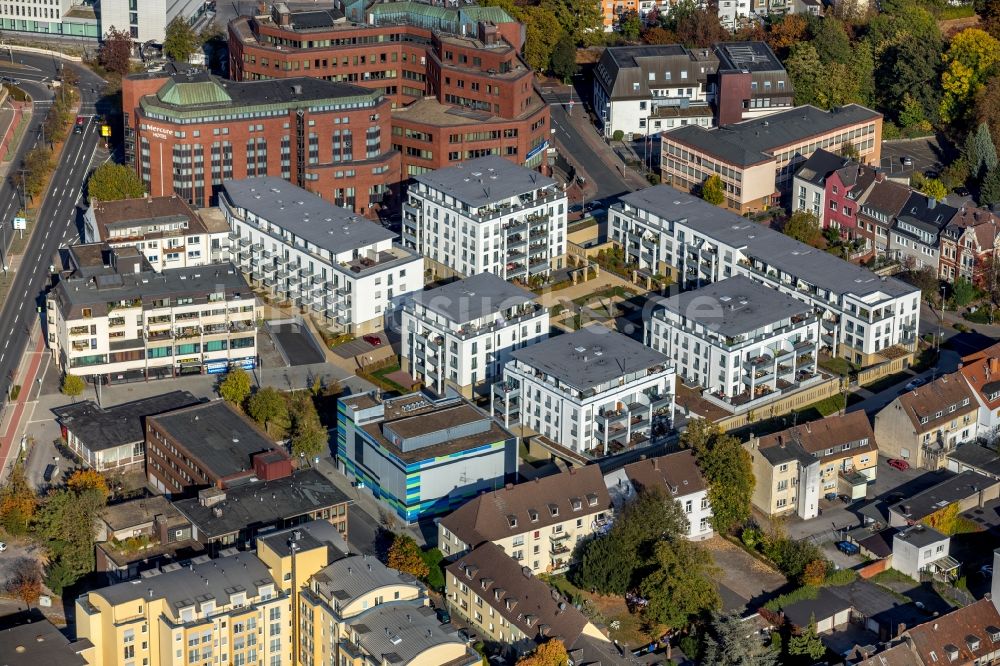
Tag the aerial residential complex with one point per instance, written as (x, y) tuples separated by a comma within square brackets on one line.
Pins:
[(112, 316), (670, 232), (188, 131), (422, 456), (487, 216), (593, 391), (757, 159), (458, 87), (316, 255), (642, 90), (165, 229), (461, 334), (738, 339)]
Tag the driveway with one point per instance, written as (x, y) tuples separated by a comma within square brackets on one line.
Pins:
[(742, 575), (296, 343), (927, 155), (357, 346)]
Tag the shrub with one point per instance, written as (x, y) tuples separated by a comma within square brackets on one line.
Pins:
[(15, 391), (841, 577), (618, 135)]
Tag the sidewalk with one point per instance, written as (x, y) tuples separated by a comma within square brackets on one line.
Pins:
[(13, 413)]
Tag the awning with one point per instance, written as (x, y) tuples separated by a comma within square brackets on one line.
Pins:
[(946, 563)]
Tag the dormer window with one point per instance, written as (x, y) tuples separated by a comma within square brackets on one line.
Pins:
[(952, 408), (951, 651), (923, 420), (966, 400), (554, 510), (577, 503), (533, 515), (972, 642), (512, 521), (994, 633), (591, 499)]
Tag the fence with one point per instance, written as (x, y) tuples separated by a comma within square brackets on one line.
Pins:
[(891, 367)]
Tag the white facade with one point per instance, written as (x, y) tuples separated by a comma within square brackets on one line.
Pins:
[(165, 243), (809, 197), (916, 548), (618, 411), (448, 341), (668, 231), (321, 256), (638, 117), (147, 20), (185, 320), (695, 505), (487, 216), (731, 360)]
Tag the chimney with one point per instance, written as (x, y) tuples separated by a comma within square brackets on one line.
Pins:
[(931, 203), (994, 364), (656, 463)]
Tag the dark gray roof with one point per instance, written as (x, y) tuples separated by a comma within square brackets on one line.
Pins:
[(755, 141), (590, 357), (826, 604), (216, 580), (758, 241), (352, 577), (735, 306), (926, 213), (222, 440), (399, 632), (308, 536), (39, 643), (304, 214), (954, 488), (786, 452), (977, 456), (474, 297), (819, 165), (171, 282), (919, 536), (485, 180), (263, 503), (100, 428), (316, 19), (624, 71)]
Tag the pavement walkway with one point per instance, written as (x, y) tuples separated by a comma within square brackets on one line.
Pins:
[(13, 413)]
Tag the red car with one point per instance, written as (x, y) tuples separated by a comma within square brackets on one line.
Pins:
[(901, 465), (373, 340)]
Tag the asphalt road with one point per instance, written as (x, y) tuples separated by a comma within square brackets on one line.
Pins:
[(605, 176), (57, 217)]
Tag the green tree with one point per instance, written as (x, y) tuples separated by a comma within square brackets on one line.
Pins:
[(38, 163), (310, 437), (980, 152), (932, 187), (806, 71), (65, 525), (680, 584), (712, 190), (564, 58), (964, 292), (832, 43), (696, 26), (970, 60), (727, 469), (115, 53), (181, 40), (269, 408), (404, 555), (911, 114), (235, 387), (988, 106), (911, 69), (582, 20), (807, 643), (729, 644), (630, 25), (113, 182), (72, 385), (17, 502), (803, 226), (539, 27), (989, 193)]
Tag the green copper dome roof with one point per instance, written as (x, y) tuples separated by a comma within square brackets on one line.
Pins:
[(195, 92)]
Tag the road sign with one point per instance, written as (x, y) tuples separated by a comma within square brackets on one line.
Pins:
[(20, 223), (105, 130)]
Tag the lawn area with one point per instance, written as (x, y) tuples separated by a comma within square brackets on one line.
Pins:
[(610, 611), (880, 385), (388, 384), (609, 292), (837, 365)]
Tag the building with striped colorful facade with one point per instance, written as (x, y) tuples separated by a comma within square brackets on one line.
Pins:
[(422, 456)]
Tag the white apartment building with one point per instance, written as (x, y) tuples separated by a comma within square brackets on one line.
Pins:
[(738, 340), (165, 229), (487, 215), (594, 391), (538, 523), (57, 18), (316, 254), (112, 316), (460, 335), (147, 20), (677, 476), (671, 232)]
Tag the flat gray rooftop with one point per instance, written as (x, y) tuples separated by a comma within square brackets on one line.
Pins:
[(474, 297), (590, 357), (104, 428), (351, 577), (399, 632), (757, 241), (304, 214), (219, 438), (754, 141), (735, 306), (485, 180)]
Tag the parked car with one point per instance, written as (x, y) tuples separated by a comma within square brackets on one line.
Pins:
[(901, 465), (962, 191), (907, 160), (443, 615), (372, 339), (3, 546), (915, 383), (465, 636), (848, 548), (846, 499)]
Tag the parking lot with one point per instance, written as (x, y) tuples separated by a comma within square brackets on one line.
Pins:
[(926, 154), (296, 344)]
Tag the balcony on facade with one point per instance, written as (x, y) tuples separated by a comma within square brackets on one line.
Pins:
[(510, 206)]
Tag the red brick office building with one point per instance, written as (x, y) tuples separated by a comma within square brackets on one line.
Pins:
[(458, 87), (187, 131)]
